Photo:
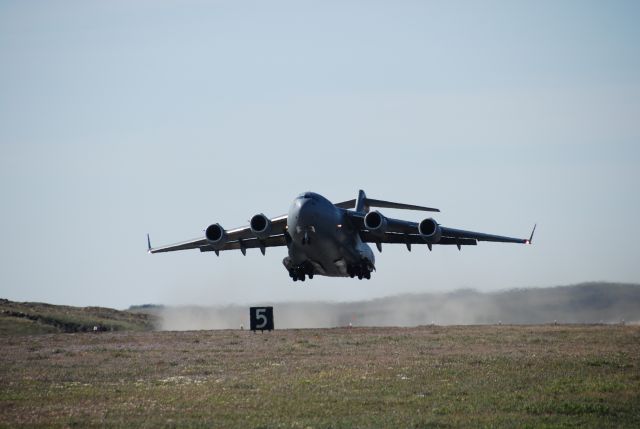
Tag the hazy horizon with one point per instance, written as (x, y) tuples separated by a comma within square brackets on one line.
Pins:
[(583, 303), (382, 297)]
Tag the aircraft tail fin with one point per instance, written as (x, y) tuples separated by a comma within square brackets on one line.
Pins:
[(362, 204)]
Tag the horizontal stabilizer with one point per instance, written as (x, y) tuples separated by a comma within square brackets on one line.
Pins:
[(390, 205), (362, 204), (346, 204)]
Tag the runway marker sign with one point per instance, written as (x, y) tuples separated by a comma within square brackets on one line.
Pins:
[(261, 318)]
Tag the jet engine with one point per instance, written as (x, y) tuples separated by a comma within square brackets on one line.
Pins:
[(216, 235), (375, 222), (260, 226), (429, 230)]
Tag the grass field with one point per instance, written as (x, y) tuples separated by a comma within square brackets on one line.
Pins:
[(20, 318), (471, 376)]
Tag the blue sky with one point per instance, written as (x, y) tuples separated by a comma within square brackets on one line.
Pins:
[(122, 118)]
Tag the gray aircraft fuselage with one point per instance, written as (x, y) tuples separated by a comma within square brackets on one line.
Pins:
[(322, 235)]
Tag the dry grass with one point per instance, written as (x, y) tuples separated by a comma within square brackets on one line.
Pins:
[(20, 318), (509, 376)]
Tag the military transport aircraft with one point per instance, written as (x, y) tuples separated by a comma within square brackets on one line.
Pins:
[(328, 239)]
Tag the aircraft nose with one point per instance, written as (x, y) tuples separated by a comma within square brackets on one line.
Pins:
[(306, 212), (306, 207)]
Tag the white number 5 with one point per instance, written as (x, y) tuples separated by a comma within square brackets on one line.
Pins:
[(261, 318)]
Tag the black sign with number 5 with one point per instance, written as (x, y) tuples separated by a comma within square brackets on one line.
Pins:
[(261, 318)]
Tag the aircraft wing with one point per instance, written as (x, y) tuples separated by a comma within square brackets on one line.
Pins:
[(239, 238), (196, 243), (406, 232), (480, 236)]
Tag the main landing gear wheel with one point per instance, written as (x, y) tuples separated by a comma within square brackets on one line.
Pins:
[(299, 272), (360, 270)]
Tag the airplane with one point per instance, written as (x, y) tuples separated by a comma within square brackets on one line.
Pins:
[(329, 239)]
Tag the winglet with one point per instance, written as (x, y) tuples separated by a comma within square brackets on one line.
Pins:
[(530, 240), (148, 244)]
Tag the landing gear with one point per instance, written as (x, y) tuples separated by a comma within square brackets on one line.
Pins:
[(362, 270), (299, 272)]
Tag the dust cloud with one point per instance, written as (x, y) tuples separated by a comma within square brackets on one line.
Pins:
[(584, 303)]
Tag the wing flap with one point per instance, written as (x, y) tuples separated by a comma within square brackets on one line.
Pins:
[(399, 238), (458, 241), (480, 236)]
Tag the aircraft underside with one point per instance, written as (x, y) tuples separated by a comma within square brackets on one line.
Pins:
[(331, 264)]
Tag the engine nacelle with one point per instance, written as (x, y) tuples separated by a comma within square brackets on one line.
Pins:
[(430, 231), (260, 226), (375, 222), (216, 235)]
